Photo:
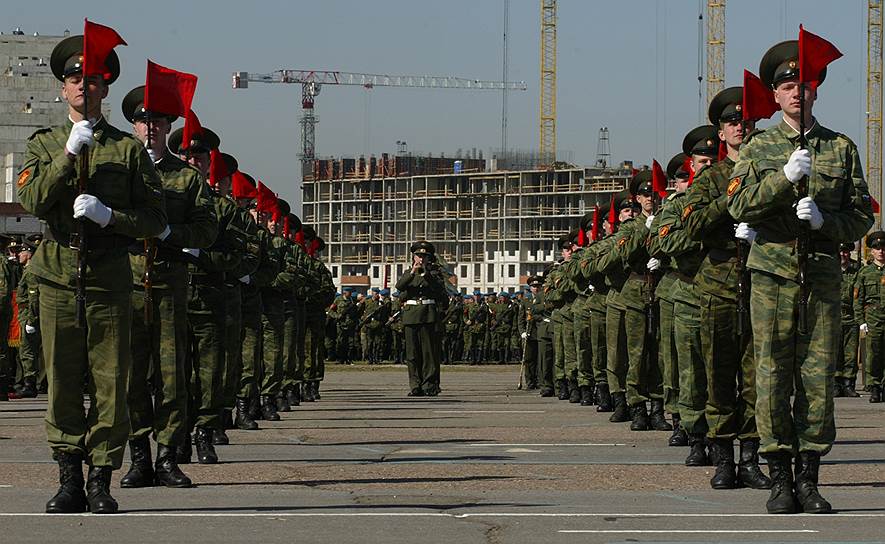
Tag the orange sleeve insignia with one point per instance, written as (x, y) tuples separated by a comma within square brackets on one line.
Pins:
[(686, 212), (622, 241), (733, 186), (856, 292), (882, 280), (665, 230), (24, 177)]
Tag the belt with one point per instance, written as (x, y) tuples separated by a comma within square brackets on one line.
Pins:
[(93, 241), (424, 301)]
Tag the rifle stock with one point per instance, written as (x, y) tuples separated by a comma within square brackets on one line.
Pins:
[(79, 243)]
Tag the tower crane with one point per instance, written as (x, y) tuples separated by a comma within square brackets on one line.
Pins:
[(874, 103), (312, 81), (715, 48), (547, 117)]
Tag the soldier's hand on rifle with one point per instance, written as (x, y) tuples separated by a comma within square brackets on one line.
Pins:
[(165, 234), (648, 221), (807, 210), (744, 232), (192, 251), (864, 328), (653, 264), (523, 335), (81, 134), (799, 165), (30, 329), (93, 209)]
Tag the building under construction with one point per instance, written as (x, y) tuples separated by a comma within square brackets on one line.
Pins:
[(493, 227)]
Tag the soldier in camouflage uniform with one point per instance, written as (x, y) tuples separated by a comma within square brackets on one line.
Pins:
[(295, 312), (763, 192), (452, 322), (846, 362), (319, 298), (124, 201), (373, 320), (344, 311), (723, 284), (538, 352), (159, 346), (475, 320), (581, 312), (560, 292), (869, 306), (504, 314), (395, 322), (31, 349)]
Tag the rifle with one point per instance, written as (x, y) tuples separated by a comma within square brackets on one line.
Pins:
[(803, 241), (392, 318), (150, 253), (651, 281), (742, 302), (78, 240)]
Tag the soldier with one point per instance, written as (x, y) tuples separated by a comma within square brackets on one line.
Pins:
[(846, 363), (870, 311), (723, 288), (7, 357), (372, 322), (424, 300), (344, 311), (397, 331), (538, 346), (319, 298), (452, 322), (159, 345), (295, 315), (560, 291), (31, 349), (763, 192), (503, 327), (582, 313), (123, 201)]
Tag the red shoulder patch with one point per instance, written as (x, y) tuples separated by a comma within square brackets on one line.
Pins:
[(686, 212), (622, 241), (733, 186), (24, 177), (665, 230)]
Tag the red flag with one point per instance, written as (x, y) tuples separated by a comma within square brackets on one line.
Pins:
[(98, 42), (240, 186), (690, 169), (815, 53), (594, 232), (299, 238), (723, 151), (758, 101), (168, 91), (192, 127), (582, 237), (313, 246), (658, 179), (218, 168), (267, 200), (286, 226), (612, 214), (875, 204)]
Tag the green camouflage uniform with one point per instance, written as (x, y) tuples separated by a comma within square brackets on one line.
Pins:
[(667, 349), (588, 264), (251, 309), (846, 364), (610, 265), (319, 298), (869, 307), (31, 349), (273, 317), (581, 318)]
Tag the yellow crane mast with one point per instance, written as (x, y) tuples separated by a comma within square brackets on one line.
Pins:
[(715, 48), (548, 83), (874, 103)]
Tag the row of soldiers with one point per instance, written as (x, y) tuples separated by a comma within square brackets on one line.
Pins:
[(176, 292), (721, 305)]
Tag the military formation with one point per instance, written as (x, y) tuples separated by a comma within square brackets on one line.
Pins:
[(716, 300)]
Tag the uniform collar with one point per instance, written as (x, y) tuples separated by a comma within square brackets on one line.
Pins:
[(792, 134)]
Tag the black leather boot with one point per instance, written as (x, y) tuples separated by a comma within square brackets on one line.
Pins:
[(657, 420), (203, 443), (269, 409), (308, 395), (166, 470), (574, 394), (141, 472), (28, 389), (219, 437), (70, 498), (782, 500), (848, 388), (98, 491), (243, 421), (603, 398), (563, 389), (875, 393), (837, 388), (227, 420), (749, 473), (586, 395), (679, 438), (620, 413), (640, 417), (807, 470), (255, 408), (697, 455), (316, 390), (293, 395), (4, 389), (184, 451), (282, 403), (547, 392), (725, 476)]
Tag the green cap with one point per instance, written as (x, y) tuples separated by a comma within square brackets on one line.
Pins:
[(67, 60), (422, 247), (133, 107), (727, 106), (202, 142), (781, 63), (702, 140), (676, 166)]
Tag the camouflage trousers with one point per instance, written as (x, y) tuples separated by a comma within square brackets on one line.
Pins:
[(581, 316), (644, 379), (690, 363), (874, 356), (206, 307), (233, 346), (784, 358), (598, 347), (252, 364), (846, 362), (731, 372), (293, 347), (565, 352), (314, 348), (273, 322), (616, 344), (668, 356)]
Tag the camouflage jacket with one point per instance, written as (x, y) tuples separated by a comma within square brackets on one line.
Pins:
[(28, 299), (849, 280), (869, 295), (671, 239)]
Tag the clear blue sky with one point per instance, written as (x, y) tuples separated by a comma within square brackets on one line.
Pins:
[(630, 65)]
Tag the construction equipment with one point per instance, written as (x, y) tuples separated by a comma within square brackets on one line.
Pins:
[(547, 146), (715, 48), (874, 103), (311, 82)]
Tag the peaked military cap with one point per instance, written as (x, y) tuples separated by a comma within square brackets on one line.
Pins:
[(283, 208), (385, 292), (676, 166), (422, 247), (133, 107), (565, 241), (641, 183), (781, 63), (309, 232), (35, 238), (727, 106), (346, 288), (321, 244), (294, 222), (535, 281), (67, 60), (702, 140), (876, 239), (202, 142), (586, 222), (846, 247), (232, 164)]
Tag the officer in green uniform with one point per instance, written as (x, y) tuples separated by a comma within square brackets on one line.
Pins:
[(423, 291), (763, 193), (159, 346), (31, 349), (123, 201), (724, 289), (869, 306), (846, 363)]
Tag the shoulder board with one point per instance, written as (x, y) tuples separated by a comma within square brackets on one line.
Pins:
[(752, 134), (40, 131)]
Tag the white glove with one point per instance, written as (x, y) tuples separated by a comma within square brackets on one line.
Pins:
[(648, 221), (653, 264), (165, 234), (247, 279), (193, 252), (807, 210), (30, 329), (152, 154), (523, 335), (864, 328), (799, 165), (81, 134), (590, 287), (744, 232), (93, 209)]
